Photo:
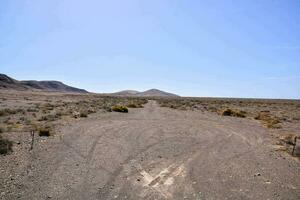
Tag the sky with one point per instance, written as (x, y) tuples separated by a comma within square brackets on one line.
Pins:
[(216, 48)]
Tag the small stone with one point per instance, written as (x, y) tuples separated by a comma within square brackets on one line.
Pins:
[(268, 182), (257, 174)]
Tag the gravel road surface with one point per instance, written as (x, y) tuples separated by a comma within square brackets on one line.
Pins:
[(160, 153)]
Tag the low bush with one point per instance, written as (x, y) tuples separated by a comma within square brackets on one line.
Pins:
[(268, 120), (45, 132), (7, 111), (233, 113), (118, 108), (288, 139), (83, 114), (5, 146), (90, 111), (50, 117)]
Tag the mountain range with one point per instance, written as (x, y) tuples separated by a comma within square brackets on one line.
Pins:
[(8, 83), (147, 93)]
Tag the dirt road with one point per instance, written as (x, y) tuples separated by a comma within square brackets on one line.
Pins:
[(160, 153)]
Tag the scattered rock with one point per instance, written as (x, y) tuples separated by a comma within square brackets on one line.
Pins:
[(268, 182), (257, 174)]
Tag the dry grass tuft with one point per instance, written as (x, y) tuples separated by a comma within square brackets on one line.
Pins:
[(268, 120)]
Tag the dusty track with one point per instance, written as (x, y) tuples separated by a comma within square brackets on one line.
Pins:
[(160, 153)]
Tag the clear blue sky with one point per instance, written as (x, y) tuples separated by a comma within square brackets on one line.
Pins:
[(231, 48)]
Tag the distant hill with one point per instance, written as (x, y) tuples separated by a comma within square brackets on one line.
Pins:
[(126, 93), (7, 82), (156, 93), (148, 93)]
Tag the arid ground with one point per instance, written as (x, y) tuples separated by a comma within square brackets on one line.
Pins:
[(170, 148)]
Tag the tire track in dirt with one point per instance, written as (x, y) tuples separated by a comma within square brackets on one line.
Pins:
[(160, 153)]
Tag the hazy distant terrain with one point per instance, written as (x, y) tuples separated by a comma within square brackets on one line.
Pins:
[(148, 93)]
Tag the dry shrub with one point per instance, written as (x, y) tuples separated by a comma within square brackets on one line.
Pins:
[(46, 131), (90, 111), (233, 113), (268, 120), (5, 146), (296, 118), (83, 114), (291, 143), (212, 109), (173, 106), (50, 117), (8, 111), (288, 139), (119, 108)]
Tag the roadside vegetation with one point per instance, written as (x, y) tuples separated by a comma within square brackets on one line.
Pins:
[(118, 108), (42, 113), (279, 116), (233, 113), (271, 113)]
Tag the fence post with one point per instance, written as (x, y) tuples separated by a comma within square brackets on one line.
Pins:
[(32, 140), (295, 143)]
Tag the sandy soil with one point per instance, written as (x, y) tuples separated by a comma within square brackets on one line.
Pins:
[(153, 153)]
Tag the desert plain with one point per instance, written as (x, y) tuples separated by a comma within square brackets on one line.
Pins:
[(57, 145)]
